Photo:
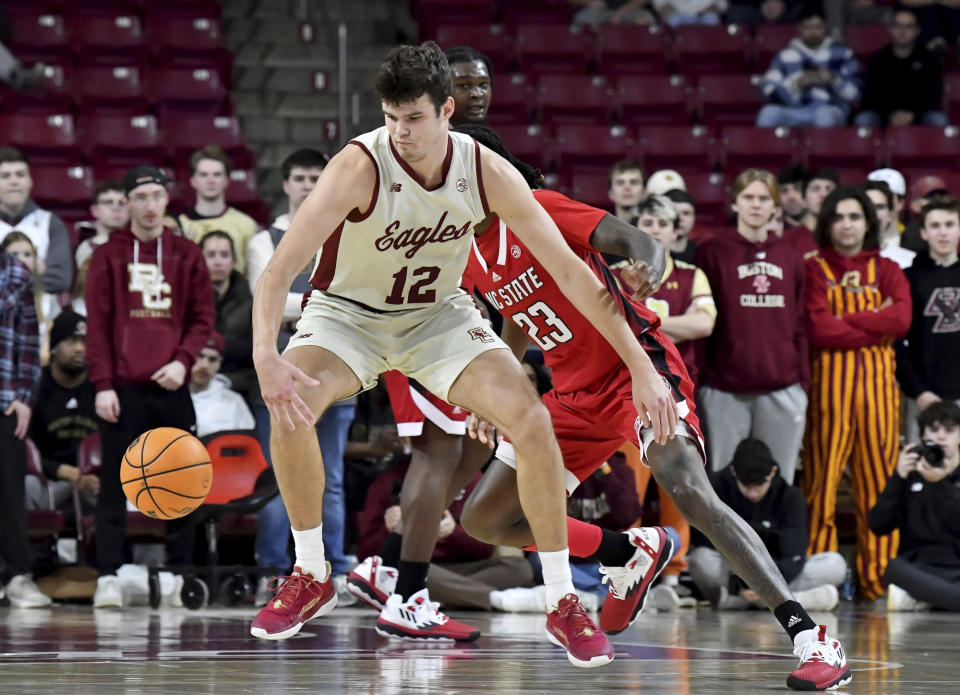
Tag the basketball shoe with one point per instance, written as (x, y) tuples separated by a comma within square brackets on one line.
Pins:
[(372, 582), (570, 627), (630, 583), (300, 598), (823, 665), (419, 618)]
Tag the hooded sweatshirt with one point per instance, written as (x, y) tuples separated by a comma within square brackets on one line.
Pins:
[(149, 303), (220, 409)]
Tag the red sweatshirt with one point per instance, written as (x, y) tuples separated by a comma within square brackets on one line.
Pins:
[(856, 329), (140, 319), (759, 343)]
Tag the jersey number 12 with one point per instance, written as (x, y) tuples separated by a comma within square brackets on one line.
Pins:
[(417, 293)]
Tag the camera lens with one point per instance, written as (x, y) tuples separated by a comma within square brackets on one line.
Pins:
[(932, 453)]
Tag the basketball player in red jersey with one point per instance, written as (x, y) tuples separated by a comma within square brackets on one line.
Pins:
[(592, 416), (392, 212)]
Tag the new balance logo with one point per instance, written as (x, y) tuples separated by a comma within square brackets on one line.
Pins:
[(395, 188), (793, 621)]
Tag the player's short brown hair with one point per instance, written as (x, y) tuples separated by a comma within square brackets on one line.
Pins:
[(749, 176), (947, 203), (622, 166), (409, 72), (12, 154), (214, 152), (828, 213)]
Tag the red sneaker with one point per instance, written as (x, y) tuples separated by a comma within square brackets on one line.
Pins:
[(372, 582), (420, 619), (630, 583), (300, 598), (823, 665), (570, 627)]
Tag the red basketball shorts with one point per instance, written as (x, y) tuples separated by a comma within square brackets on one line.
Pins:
[(412, 404)]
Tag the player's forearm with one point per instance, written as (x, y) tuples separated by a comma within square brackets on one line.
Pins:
[(616, 237), (514, 337), (697, 324)]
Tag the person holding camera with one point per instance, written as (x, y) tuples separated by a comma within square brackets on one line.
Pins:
[(922, 500)]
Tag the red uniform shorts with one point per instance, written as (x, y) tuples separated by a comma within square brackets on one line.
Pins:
[(412, 404)]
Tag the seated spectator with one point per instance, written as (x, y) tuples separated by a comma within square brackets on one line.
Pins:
[(812, 82), (218, 407), (903, 85), (64, 415), (882, 198), (209, 176), (924, 191), (777, 512), (922, 500), (750, 12), (792, 181), (679, 12), (684, 247), (625, 188), (939, 22), (110, 213), (18, 245), (46, 231), (597, 12)]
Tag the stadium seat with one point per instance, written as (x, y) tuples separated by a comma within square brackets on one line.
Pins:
[(590, 188), (575, 99), (843, 148), (676, 147), (46, 139), (553, 49), (633, 49), (712, 196), (518, 12), (919, 148), (37, 31), (529, 144), (109, 89), (745, 147), (866, 39), (121, 140), (243, 188), (107, 38), (491, 40), (187, 89), (49, 97), (186, 33), (653, 99), (951, 96), (65, 185), (196, 131), (592, 148), (728, 99), (515, 102), (45, 524), (434, 13), (712, 49), (770, 39)]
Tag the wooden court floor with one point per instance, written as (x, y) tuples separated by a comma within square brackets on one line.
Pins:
[(73, 649)]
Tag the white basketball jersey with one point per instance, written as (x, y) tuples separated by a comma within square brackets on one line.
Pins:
[(411, 248)]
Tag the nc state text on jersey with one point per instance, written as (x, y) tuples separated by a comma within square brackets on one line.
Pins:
[(515, 290), (417, 238)]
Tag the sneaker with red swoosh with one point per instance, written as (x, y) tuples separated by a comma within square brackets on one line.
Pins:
[(570, 627), (299, 598), (372, 582), (630, 584), (823, 665), (420, 619)]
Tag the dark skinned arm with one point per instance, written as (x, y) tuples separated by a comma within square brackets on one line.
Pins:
[(648, 259)]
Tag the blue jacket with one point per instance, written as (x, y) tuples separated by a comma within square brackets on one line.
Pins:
[(779, 84)]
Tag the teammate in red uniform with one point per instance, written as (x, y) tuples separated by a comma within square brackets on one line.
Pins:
[(593, 415)]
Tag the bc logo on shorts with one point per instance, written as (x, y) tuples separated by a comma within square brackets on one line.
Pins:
[(481, 334)]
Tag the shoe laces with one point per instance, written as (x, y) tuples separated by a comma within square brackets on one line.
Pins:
[(289, 586), (816, 650), (431, 607), (617, 578), (571, 611)]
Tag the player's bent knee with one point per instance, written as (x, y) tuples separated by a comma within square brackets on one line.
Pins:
[(532, 427)]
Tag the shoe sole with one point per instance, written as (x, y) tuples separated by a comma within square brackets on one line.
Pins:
[(20, 603), (291, 631), (391, 632), (800, 684), (364, 593), (599, 660), (662, 562)]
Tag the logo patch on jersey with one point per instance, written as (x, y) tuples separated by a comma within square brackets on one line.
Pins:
[(301, 336), (515, 251), (495, 277), (761, 284), (395, 188), (481, 334), (944, 304), (462, 185), (851, 280)]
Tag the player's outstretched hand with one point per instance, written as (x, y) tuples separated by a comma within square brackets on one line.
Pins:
[(641, 278), (655, 404), (278, 380), (482, 430)]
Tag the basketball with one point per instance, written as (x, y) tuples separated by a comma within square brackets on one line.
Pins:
[(166, 473)]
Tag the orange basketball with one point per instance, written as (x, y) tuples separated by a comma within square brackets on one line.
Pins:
[(166, 473)]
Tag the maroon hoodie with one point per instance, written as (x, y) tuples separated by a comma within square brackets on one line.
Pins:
[(759, 343), (139, 320)]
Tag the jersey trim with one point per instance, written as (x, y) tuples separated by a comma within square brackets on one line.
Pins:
[(448, 158), (482, 190), (361, 216), (327, 266)]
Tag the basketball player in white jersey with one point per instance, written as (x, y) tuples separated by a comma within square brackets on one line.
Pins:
[(394, 212)]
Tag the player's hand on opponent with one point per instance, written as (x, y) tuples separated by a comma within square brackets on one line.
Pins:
[(641, 278), (278, 380), (655, 404), (22, 411), (170, 376), (482, 431), (108, 405)]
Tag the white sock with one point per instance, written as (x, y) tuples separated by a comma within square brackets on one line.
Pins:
[(309, 550), (556, 576), (806, 636)]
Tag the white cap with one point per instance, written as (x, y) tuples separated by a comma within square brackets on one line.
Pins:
[(665, 180), (892, 178)]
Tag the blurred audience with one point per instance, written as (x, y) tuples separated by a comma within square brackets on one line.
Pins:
[(924, 190), (625, 188), (218, 407), (684, 247), (939, 22), (18, 245), (110, 213), (751, 12), (884, 205), (898, 186), (679, 12), (815, 189), (596, 12), (792, 181)]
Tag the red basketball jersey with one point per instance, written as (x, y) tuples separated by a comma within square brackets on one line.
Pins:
[(678, 294)]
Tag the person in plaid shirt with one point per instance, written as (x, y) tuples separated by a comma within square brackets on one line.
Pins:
[(19, 377)]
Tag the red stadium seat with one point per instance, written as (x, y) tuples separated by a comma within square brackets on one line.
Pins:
[(50, 96), (42, 523), (712, 196), (37, 30), (189, 89), (122, 140), (592, 147), (919, 148), (433, 13), (712, 49), (553, 49), (769, 40), (71, 185), (528, 143), (46, 139), (728, 99), (243, 188), (515, 100), (633, 49), (107, 37), (866, 39), (843, 148), (109, 88), (518, 12), (744, 147), (951, 96), (491, 40), (676, 147), (197, 131), (590, 188), (575, 99), (653, 99), (184, 32)]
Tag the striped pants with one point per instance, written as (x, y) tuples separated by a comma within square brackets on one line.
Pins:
[(854, 418)]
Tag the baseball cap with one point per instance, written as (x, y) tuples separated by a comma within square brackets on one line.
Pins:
[(892, 178), (144, 174), (926, 185), (216, 342), (665, 180), (67, 324)]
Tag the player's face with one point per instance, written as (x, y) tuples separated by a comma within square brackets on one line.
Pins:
[(754, 206), (70, 354), (757, 491), (791, 197), (299, 184), (688, 217), (15, 185), (472, 91), (205, 368), (880, 206), (817, 190), (210, 179), (111, 210), (942, 232), (23, 252), (219, 257), (416, 129), (660, 228), (626, 188), (848, 227), (148, 203)]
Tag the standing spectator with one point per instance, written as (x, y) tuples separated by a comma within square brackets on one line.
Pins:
[(898, 186), (816, 188), (18, 245), (46, 231), (65, 414), (218, 407), (19, 376), (924, 190), (679, 12), (884, 206), (597, 12), (151, 312), (922, 500), (812, 82), (685, 246), (757, 367), (110, 213), (857, 304), (209, 176), (792, 182), (903, 85), (750, 12), (777, 512), (625, 188)]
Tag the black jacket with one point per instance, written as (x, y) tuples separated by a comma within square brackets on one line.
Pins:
[(902, 84), (234, 321)]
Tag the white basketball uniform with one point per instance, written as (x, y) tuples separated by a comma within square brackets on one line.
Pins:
[(387, 282)]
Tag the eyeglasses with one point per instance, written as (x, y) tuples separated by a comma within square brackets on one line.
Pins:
[(118, 203)]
